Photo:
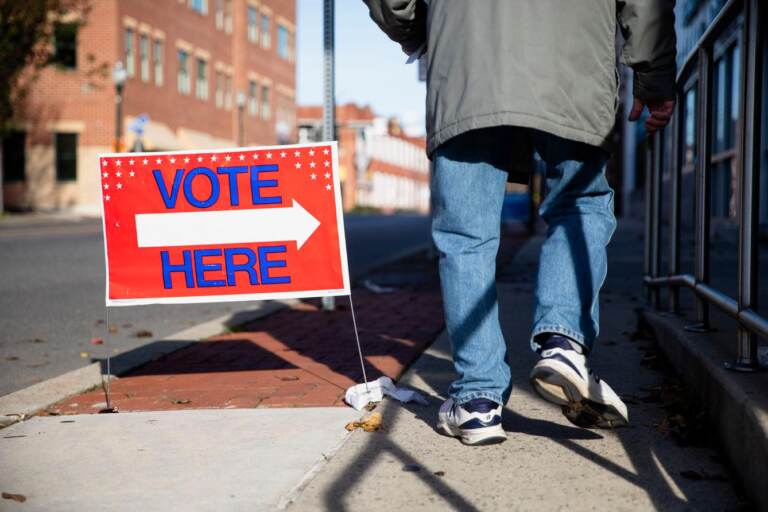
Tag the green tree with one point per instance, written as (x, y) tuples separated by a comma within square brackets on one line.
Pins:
[(26, 32)]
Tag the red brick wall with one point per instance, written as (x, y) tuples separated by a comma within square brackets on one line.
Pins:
[(74, 95), (78, 95)]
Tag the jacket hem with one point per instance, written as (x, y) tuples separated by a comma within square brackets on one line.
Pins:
[(520, 119)]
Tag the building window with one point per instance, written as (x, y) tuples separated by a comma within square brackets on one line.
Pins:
[(158, 58), (266, 109), (14, 156), (200, 6), (253, 99), (253, 24), (228, 16), (282, 42), (228, 92), (219, 14), (66, 156), (65, 45), (182, 79), (144, 57), (130, 53), (219, 89), (266, 36), (201, 87)]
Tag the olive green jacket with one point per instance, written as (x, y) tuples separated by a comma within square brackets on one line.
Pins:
[(543, 64)]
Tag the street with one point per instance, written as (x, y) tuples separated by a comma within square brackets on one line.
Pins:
[(52, 293)]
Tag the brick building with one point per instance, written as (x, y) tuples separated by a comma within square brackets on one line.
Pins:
[(380, 167), (207, 73)]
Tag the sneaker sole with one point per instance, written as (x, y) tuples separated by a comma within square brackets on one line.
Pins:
[(475, 437), (555, 387)]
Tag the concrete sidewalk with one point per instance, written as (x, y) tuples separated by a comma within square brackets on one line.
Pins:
[(233, 422), (547, 463)]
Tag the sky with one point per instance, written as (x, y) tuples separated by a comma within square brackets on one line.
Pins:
[(370, 69)]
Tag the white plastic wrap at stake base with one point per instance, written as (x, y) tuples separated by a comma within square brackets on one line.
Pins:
[(358, 396)]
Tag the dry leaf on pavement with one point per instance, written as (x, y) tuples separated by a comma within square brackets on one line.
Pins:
[(15, 497), (370, 424)]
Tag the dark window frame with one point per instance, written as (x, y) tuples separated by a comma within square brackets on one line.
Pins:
[(14, 160), (66, 157), (65, 45)]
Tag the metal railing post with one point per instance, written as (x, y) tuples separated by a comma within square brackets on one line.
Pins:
[(675, 177), (657, 152), (647, 249), (703, 199), (749, 175)]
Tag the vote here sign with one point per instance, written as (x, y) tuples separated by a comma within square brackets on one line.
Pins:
[(224, 225)]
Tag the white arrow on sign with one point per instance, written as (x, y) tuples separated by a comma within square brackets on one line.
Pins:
[(225, 227)]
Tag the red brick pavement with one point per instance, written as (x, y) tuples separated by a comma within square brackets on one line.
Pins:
[(298, 357)]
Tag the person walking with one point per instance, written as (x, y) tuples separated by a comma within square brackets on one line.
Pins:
[(539, 75)]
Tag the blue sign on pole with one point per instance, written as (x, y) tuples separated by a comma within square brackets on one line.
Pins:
[(137, 126)]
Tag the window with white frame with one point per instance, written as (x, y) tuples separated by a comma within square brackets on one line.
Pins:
[(228, 16), (266, 107), (282, 42), (219, 14), (266, 35), (200, 6), (158, 58), (201, 84), (253, 24), (228, 92), (144, 57), (182, 77), (219, 89), (130, 53), (253, 98)]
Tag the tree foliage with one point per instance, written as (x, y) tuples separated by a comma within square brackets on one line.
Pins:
[(26, 34)]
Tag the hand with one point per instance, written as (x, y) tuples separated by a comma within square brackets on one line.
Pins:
[(661, 113)]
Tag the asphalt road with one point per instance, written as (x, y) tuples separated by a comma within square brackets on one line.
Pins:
[(52, 293)]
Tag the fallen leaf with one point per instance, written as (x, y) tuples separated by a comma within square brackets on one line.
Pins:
[(439, 473), (112, 328), (15, 497), (12, 358), (143, 333), (84, 354), (370, 424), (181, 401), (97, 341)]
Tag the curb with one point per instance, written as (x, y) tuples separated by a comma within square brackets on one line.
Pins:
[(737, 403), (21, 404)]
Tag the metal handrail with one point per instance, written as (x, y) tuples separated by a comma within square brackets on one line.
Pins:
[(698, 69)]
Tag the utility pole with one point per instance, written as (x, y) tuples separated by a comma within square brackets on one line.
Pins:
[(329, 92)]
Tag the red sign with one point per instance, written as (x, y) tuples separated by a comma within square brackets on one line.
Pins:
[(225, 225)]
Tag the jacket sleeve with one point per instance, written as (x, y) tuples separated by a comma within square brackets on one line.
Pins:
[(404, 21), (648, 27)]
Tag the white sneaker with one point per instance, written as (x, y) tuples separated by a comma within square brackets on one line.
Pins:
[(562, 377), (477, 422)]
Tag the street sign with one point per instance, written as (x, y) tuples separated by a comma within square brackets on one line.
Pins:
[(227, 225)]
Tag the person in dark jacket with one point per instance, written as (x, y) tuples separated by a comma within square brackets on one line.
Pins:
[(541, 75)]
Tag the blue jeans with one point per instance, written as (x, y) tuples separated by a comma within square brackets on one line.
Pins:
[(468, 188)]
